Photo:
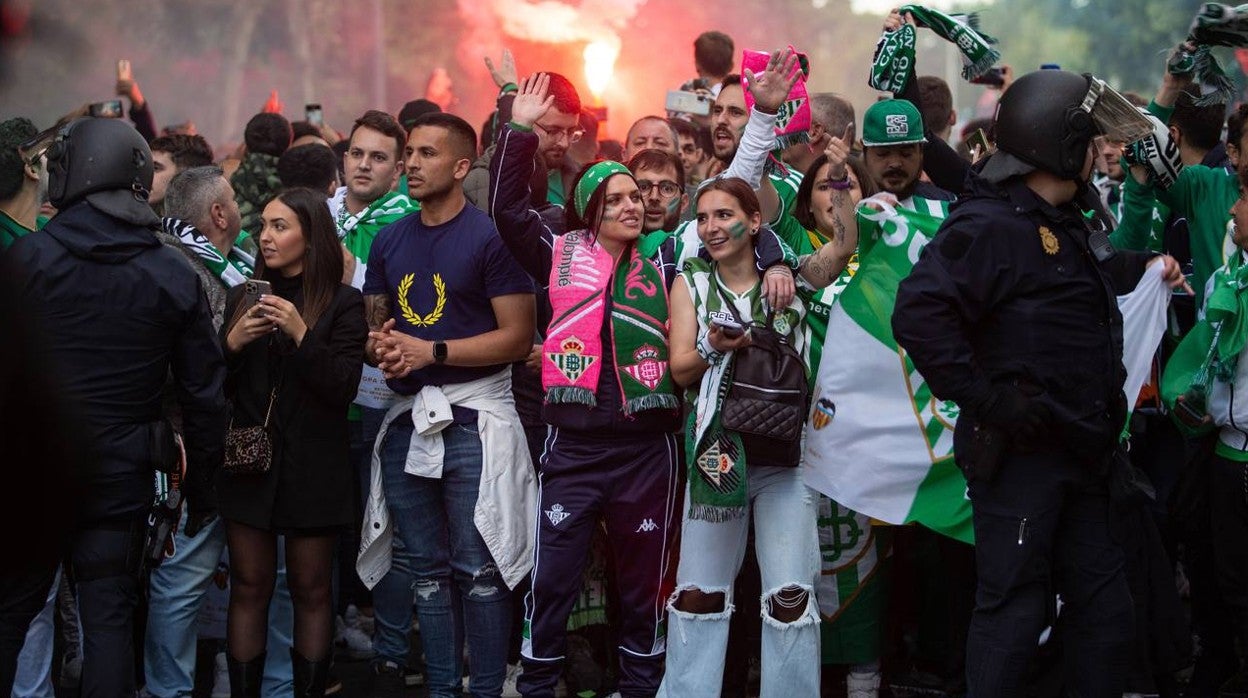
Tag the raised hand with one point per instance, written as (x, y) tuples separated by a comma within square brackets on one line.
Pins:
[(838, 153), (532, 101), (505, 73), (770, 87)]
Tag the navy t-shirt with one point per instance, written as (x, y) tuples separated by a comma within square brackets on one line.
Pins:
[(440, 280)]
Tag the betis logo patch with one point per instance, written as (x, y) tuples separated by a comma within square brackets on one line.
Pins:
[(825, 411), (572, 362), (647, 370), (1049, 241), (717, 462), (787, 111)]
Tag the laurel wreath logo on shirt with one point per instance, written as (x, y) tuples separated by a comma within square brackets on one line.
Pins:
[(414, 317)]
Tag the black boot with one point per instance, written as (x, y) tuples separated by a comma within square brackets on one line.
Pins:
[(310, 676), (245, 677)]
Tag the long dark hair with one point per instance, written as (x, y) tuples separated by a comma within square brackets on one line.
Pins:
[(801, 207), (593, 208), (322, 264)]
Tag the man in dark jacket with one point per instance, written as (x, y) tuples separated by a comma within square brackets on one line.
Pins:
[(120, 311), (1011, 313)]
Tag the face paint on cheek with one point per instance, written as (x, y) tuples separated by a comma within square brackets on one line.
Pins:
[(738, 230), (673, 206)]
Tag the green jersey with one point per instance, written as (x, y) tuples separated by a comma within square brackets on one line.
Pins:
[(11, 230)]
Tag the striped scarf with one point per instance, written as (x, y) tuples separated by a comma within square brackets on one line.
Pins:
[(717, 463), (1215, 25), (232, 269), (580, 278)]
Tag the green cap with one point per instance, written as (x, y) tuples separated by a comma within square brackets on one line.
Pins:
[(892, 122)]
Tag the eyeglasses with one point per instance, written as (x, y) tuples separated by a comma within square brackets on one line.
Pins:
[(667, 187), (572, 134)]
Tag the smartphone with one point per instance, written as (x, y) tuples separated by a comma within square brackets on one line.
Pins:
[(995, 77), (123, 70), (688, 103), (979, 140), (312, 112), (730, 328), (252, 290), (107, 110)]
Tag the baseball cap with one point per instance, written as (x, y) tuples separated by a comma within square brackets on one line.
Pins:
[(892, 122)]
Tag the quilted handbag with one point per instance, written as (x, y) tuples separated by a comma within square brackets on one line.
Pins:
[(768, 394), (249, 450)]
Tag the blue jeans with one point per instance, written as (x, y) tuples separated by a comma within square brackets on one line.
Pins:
[(392, 596), (34, 664), (453, 568), (177, 592), (711, 553)]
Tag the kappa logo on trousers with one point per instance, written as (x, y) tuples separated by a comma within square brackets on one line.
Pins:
[(647, 525)]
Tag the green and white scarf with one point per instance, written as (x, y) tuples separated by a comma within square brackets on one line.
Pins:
[(717, 464), (895, 54), (358, 230), (1211, 350), (233, 269), (1215, 25)]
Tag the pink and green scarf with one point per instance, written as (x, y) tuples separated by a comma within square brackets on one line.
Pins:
[(581, 276)]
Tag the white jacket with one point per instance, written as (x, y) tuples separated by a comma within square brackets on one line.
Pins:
[(507, 502)]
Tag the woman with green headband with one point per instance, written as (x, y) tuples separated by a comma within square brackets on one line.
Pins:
[(611, 453)]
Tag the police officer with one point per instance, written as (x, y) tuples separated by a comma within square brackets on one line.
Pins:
[(120, 311), (1011, 313)]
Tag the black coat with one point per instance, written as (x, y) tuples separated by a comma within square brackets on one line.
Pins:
[(1009, 291), (120, 311), (311, 483)]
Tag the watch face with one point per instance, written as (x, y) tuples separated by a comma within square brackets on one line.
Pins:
[(439, 351)]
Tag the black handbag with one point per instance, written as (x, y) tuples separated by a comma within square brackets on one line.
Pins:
[(249, 450), (768, 396)]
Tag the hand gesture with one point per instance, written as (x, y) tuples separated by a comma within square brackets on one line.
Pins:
[(532, 101), (770, 87), (838, 153), (504, 73), (250, 327), (284, 316), (895, 20)]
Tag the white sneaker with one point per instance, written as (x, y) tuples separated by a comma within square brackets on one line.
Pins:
[(351, 642), (365, 623), (509, 684), (221, 677), (863, 684)]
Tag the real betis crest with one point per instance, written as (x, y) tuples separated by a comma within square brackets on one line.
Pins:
[(787, 111), (648, 369), (571, 361), (717, 462), (936, 417)]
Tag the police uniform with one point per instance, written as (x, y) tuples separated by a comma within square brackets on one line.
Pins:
[(1007, 307)]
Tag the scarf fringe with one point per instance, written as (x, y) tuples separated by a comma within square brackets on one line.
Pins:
[(652, 401), (715, 514), (785, 140), (970, 71), (570, 395)]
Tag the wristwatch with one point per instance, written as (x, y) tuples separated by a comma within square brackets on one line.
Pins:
[(439, 352)]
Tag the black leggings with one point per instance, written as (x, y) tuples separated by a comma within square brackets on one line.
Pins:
[(253, 569)]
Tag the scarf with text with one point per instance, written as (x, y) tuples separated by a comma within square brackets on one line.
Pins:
[(581, 276), (894, 61)]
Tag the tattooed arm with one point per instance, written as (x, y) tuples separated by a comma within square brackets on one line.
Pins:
[(824, 266), (377, 312)]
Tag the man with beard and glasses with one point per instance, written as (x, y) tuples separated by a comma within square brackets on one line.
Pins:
[(659, 175)]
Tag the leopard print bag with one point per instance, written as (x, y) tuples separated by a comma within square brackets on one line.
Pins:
[(249, 450)]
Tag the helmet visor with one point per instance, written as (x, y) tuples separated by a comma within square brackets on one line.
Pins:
[(1114, 116)]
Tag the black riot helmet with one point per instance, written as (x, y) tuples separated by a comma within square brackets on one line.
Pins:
[(1043, 121), (93, 155)]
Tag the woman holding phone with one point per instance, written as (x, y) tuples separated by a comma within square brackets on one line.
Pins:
[(733, 473), (294, 360)]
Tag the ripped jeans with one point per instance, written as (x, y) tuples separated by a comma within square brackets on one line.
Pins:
[(787, 542), (460, 594)]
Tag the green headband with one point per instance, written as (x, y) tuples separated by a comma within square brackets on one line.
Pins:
[(591, 180)]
